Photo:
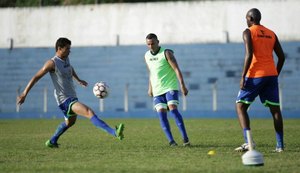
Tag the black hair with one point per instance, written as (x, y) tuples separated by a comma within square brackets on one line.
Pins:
[(151, 36), (62, 42)]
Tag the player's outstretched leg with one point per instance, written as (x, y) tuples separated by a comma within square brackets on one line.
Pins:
[(164, 122), (102, 125), (180, 124)]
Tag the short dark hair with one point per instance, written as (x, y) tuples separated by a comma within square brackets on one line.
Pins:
[(255, 14), (151, 36), (62, 42)]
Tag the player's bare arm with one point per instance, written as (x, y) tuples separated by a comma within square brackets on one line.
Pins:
[(75, 76), (279, 53), (172, 61), (150, 93), (48, 66), (248, 55)]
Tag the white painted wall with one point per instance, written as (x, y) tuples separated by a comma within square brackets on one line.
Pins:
[(173, 22)]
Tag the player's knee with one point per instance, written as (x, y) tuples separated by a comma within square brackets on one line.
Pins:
[(70, 124), (90, 112), (71, 121), (161, 110), (277, 115), (238, 105), (172, 107), (241, 106)]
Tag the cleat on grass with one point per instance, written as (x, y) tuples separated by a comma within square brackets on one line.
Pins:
[(50, 145)]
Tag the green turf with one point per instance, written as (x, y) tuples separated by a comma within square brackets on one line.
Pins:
[(84, 148)]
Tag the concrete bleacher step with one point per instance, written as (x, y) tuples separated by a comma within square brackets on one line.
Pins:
[(201, 64)]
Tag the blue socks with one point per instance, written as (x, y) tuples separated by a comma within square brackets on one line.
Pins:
[(101, 124), (279, 139), (95, 120), (165, 125), (180, 124), (59, 131)]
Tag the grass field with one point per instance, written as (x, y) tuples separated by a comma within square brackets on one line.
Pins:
[(84, 148)]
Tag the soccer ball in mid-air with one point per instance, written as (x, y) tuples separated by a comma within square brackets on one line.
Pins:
[(100, 90)]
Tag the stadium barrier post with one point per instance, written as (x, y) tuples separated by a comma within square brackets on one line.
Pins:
[(101, 105), (184, 103), (45, 99), (17, 105), (126, 98), (214, 97)]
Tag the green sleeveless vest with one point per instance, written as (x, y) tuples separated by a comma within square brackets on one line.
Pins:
[(162, 76)]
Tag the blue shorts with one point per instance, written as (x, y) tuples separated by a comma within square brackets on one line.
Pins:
[(265, 87), (169, 98), (66, 107)]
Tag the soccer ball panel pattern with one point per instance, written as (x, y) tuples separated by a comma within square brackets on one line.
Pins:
[(101, 90)]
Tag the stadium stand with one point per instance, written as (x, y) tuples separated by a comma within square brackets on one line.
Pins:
[(204, 66)]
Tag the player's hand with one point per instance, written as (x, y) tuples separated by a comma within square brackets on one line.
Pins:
[(21, 99), (184, 90), (83, 83)]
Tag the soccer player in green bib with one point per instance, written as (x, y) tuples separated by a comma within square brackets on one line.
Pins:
[(164, 75)]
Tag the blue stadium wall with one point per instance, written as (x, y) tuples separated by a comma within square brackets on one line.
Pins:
[(203, 66)]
